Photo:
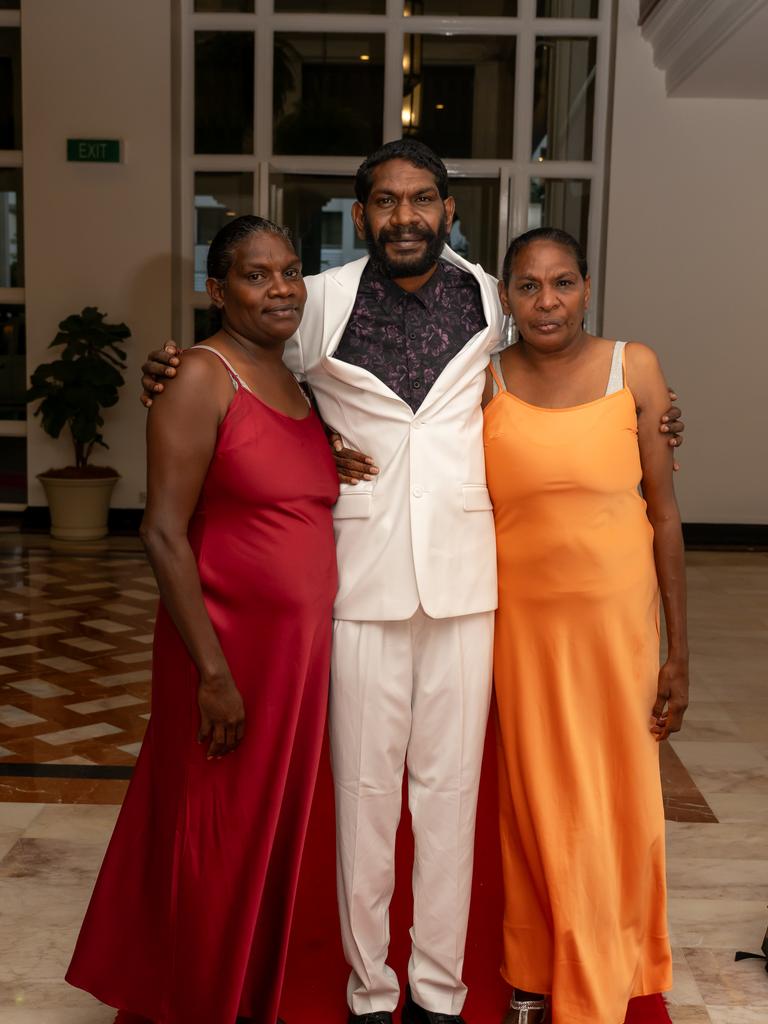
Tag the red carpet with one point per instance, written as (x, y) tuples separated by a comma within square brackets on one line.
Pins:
[(317, 974)]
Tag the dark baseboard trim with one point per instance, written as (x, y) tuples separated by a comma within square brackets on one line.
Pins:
[(726, 536), (65, 771), (123, 522)]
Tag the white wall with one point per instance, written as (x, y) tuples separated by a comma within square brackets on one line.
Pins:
[(97, 234), (687, 271)]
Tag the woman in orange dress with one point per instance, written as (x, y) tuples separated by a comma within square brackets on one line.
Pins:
[(581, 700)]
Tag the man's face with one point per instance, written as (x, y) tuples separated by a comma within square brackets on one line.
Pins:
[(405, 222)]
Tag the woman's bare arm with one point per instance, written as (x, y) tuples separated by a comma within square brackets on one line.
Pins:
[(646, 380), (181, 437)]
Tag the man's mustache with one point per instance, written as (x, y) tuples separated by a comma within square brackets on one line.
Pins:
[(401, 234)]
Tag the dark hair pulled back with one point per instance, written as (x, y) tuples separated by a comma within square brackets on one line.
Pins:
[(415, 152), (222, 250), (554, 235)]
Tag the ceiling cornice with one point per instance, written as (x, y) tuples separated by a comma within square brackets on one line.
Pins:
[(684, 33)]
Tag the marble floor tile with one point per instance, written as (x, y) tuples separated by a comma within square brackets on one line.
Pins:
[(685, 991), (95, 1013), (738, 1014), (147, 638), (132, 659), (739, 807), (688, 1014), (75, 823), (88, 644), (6, 671), (13, 652), (56, 616), (5, 752), (122, 678), (90, 707), (31, 632), (40, 688), (723, 981), (15, 718), (139, 595), (95, 585), (64, 664), (123, 609), (83, 732), (105, 625), (69, 791), (131, 748), (719, 877), (717, 924)]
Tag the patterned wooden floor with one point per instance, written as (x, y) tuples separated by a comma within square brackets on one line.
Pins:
[(75, 652)]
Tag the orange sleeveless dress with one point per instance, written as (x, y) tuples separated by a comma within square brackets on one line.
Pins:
[(576, 667)]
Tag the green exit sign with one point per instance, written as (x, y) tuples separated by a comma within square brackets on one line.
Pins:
[(93, 151)]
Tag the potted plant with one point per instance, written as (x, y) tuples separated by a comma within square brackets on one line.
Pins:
[(74, 389)]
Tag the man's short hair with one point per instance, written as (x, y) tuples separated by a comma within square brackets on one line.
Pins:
[(415, 152)]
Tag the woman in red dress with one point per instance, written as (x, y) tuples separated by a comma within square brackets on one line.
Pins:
[(189, 919)]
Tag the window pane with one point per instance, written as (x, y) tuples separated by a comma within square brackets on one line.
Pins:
[(10, 88), (459, 94), (476, 8), (10, 5), (13, 470), (206, 323), (218, 198), (560, 203), (309, 205), (564, 99), (13, 371), (475, 231), (328, 93), (567, 8), (223, 92), (331, 6), (11, 222), (245, 6)]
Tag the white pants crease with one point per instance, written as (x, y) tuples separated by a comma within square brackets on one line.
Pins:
[(409, 694)]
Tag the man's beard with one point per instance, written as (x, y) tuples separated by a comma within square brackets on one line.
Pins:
[(411, 265)]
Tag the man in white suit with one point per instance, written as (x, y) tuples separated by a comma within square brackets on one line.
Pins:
[(394, 347)]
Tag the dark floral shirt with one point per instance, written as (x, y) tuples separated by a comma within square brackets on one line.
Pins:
[(406, 339)]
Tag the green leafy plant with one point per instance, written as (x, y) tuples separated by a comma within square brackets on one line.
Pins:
[(81, 382)]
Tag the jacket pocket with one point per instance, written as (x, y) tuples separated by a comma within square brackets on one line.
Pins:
[(476, 498), (353, 505)]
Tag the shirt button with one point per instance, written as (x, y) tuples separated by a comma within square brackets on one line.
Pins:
[(418, 492), (412, 335), (416, 385)]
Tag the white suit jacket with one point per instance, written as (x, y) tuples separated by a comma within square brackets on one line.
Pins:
[(422, 531)]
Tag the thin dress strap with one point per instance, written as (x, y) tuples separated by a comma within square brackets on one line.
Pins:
[(616, 376), (497, 373), (237, 381)]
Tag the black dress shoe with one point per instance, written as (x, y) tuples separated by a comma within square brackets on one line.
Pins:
[(375, 1017), (415, 1014)]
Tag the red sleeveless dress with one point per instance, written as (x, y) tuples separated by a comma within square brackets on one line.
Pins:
[(189, 919)]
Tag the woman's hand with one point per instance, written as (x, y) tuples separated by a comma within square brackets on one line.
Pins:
[(222, 715), (352, 466), (671, 699), (160, 365), (672, 424)]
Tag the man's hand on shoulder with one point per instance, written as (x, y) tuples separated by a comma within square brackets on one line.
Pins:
[(159, 367)]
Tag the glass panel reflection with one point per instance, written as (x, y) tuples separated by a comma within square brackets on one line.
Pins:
[(476, 8), (219, 197), (560, 203), (13, 470), (245, 6), (459, 94), (223, 92), (567, 8), (330, 6), (13, 371), (317, 209), (11, 226), (564, 98), (475, 231), (328, 93), (10, 88)]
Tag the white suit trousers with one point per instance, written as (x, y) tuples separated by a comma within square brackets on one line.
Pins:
[(415, 693)]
